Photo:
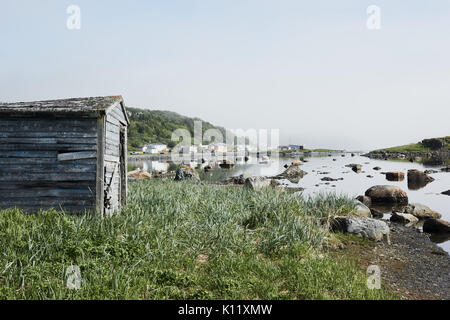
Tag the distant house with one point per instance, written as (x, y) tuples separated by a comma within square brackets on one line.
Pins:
[(156, 148), (295, 147)]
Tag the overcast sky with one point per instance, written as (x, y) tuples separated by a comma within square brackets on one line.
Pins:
[(309, 68)]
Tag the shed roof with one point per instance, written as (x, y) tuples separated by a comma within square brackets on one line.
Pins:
[(85, 107)]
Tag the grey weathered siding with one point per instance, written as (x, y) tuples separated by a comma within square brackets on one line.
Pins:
[(32, 176), (115, 122)]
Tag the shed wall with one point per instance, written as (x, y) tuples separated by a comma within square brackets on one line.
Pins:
[(115, 122), (48, 163)]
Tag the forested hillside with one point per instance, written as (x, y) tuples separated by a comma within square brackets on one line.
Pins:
[(157, 126)]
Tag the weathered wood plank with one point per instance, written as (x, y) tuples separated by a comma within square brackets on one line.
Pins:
[(76, 156), (53, 176), (48, 147), (40, 161), (48, 125), (124, 168), (100, 175), (112, 128), (110, 158), (41, 168), (25, 185), (75, 194), (28, 154), (48, 134)]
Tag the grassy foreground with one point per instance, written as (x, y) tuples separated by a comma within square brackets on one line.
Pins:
[(182, 241)]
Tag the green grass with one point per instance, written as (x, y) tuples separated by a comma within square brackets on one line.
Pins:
[(182, 241), (416, 147)]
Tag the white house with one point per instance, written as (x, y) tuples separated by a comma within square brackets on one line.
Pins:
[(155, 148)]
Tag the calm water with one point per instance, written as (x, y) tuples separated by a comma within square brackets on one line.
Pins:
[(354, 184)]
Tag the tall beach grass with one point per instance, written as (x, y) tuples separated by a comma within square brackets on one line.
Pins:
[(182, 241)]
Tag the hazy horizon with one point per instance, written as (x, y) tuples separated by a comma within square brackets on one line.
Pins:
[(313, 70)]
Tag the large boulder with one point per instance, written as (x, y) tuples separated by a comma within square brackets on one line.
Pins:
[(436, 226), (364, 227), (186, 173), (421, 211), (257, 183), (418, 179), (405, 218), (395, 176), (387, 194)]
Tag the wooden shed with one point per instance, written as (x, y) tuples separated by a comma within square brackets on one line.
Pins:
[(64, 154)]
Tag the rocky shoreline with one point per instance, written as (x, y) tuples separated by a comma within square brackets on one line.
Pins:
[(411, 263), (428, 158)]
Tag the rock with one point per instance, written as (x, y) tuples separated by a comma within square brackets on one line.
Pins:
[(297, 163), (364, 200), (257, 183), (139, 175), (286, 166), (418, 179), (187, 173), (361, 210), (208, 169), (240, 179), (447, 193), (355, 167), (377, 168), (387, 194), (446, 169), (395, 176), (417, 175), (293, 174), (331, 179), (376, 213), (364, 227), (421, 211), (275, 183), (405, 218), (436, 226), (430, 171)]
